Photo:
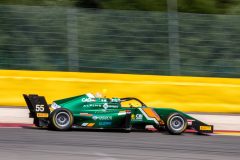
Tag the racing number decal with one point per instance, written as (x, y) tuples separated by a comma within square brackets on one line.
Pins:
[(39, 108)]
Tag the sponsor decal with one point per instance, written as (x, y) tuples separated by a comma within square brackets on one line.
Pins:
[(42, 115), (103, 100), (105, 105), (102, 118), (112, 106), (84, 124), (139, 116), (104, 111), (85, 114), (115, 100), (86, 105), (133, 116), (105, 123), (94, 118), (55, 105), (88, 124), (205, 128), (88, 100), (92, 105)]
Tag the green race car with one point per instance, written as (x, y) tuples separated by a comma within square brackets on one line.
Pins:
[(89, 111)]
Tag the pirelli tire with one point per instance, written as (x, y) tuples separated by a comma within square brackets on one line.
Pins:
[(61, 119), (176, 124)]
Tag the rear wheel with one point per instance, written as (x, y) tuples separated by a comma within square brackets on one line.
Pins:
[(61, 119), (176, 124)]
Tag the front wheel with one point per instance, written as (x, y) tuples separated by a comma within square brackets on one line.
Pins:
[(176, 124), (61, 119)]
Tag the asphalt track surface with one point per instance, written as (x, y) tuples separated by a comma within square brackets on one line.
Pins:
[(38, 144)]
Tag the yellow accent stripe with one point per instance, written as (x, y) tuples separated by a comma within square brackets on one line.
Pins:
[(151, 113), (227, 133), (90, 124)]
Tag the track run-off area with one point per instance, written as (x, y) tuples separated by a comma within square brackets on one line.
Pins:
[(20, 140), (30, 143)]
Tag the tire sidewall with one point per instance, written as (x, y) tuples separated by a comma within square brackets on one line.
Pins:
[(53, 123), (170, 129)]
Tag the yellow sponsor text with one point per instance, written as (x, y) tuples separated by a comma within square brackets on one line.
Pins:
[(205, 128), (42, 115)]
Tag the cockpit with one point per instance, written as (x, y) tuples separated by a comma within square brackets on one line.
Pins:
[(131, 102), (128, 102)]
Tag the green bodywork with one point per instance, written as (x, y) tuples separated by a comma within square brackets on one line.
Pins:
[(91, 112)]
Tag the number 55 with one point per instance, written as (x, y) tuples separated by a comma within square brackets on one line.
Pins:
[(39, 108)]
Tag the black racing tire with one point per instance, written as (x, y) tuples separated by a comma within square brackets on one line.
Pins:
[(61, 119), (176, 124)]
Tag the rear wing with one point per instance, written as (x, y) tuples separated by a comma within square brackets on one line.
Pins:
[(37, 106)]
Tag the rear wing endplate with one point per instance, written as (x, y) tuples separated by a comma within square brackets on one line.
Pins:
[(37, 106)]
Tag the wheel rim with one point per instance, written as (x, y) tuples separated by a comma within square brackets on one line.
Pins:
[(62, 119), (177, 123)]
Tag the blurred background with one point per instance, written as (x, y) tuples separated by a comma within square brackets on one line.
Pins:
[(181, 54), (161, 37)]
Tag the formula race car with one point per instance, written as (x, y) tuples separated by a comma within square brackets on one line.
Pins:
[(126, 114)]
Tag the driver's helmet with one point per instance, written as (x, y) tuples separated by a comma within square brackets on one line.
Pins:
[(98, 95)]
